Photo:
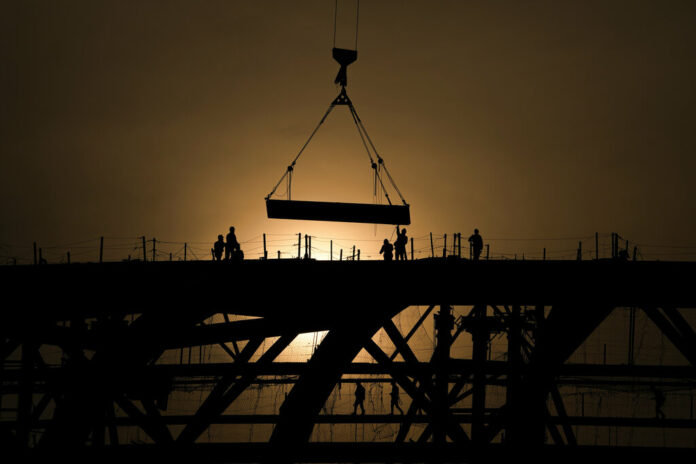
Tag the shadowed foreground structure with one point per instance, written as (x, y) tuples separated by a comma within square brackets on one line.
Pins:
[(83, 356)]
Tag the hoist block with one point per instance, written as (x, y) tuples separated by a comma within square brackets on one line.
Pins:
[(339, 212), (344, 57)]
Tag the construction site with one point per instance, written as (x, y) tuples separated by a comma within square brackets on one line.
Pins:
[(564, 349)]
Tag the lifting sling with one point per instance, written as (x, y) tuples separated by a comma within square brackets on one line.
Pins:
[(343, 212)]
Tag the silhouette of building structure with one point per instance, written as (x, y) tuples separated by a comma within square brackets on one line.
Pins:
[(83, 352)]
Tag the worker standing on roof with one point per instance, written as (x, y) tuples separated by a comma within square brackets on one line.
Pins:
[(400, 244), (387, 249), (218, 248), (476, 242), (231, 245)]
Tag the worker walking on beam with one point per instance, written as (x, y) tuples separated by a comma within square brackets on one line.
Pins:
[(659, 402), (359, 398), (395, 399)]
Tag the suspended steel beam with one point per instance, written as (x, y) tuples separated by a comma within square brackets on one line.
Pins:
[(338, 212)]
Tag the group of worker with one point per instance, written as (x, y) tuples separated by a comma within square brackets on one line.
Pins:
[(230, 248), (233, 251), (399, 246), (360, 398), (401, 240)]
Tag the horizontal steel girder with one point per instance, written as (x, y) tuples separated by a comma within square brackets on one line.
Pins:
[(127, 286)]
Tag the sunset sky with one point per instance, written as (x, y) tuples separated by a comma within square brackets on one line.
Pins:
[(174, 119)]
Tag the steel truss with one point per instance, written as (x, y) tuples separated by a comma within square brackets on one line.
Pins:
[(74, 384)]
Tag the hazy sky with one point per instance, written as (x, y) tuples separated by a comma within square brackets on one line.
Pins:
[(174, 119)]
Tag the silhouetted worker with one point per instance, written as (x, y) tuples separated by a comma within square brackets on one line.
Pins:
[(659, 402), (395, 399), (231, 245), (218, 248), (400, 244), (359, 398), (476, 244), (238, 254), (388, 250)]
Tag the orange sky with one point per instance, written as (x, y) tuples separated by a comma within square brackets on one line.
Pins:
[(175, 119)]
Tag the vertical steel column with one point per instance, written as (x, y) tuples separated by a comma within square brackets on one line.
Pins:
[(513, 396), (25, 400), (480, 335), (631, 334), (444, 323), (533, 409)]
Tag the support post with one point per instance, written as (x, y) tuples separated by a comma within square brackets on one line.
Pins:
[(443, 324), (412, 249), (358, 255), (480, 335), (340, 257), (596, 245), (101, 250), (544, 258), (488, 249), (635, 253), (444, 247), (154, 250), (432, 247), (265, 252), (331, 250), (24, 400), (459, 249), (185, 250), (353, 255), (513, 394), (612, 244), (631, 334), (579, 251), (171, 258), (68, 257), (299, 245), (144, 250), (604, 355)]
